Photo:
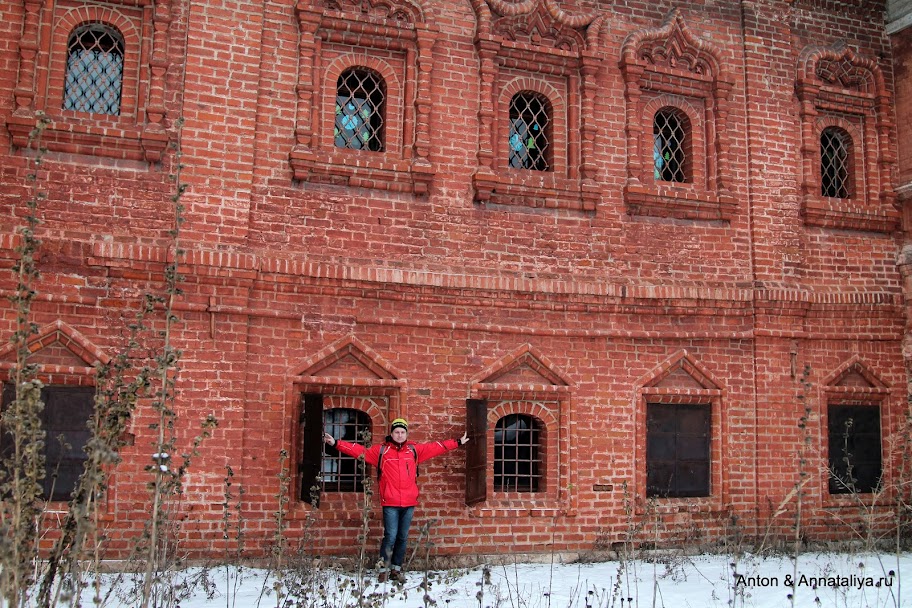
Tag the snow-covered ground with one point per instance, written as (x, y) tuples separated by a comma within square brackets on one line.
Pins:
[(823, 579)]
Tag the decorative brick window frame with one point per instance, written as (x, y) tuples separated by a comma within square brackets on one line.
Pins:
[(64, 357), (681, 380), (138, 132), (670, 67), (534, 45), (347, 374), (395, 40), (833, 84), (852, 383), (526, 383)]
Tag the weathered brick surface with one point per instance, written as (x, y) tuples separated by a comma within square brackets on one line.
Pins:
[(440, 288)]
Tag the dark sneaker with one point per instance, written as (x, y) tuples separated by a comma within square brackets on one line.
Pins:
[(381, 578), (398, 577)]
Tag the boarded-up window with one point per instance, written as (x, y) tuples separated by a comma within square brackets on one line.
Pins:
[(854, 448), (677, 450), (65, 419)]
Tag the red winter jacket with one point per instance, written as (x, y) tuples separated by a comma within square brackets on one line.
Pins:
[(399, 471)]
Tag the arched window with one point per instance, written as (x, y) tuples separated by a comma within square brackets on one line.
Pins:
[(671, 146), (360, 100), (343, 473), (835, 152), (530, 132), (94, 71), (517, 454)]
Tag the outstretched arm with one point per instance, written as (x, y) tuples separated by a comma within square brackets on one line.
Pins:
[(427, 451), (354, 449)]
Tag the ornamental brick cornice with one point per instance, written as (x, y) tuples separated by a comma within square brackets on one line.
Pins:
[(673, 47)]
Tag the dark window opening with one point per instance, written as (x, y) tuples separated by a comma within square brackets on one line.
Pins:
[(94, 71), (854, 448), (677, 450), (65, 419), (530, 132), (670, 136), (343, 473), (517, 457), (835, 146), (322, 468), (360, 99)]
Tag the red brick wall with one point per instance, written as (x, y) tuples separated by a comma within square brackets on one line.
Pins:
[(438, 288)]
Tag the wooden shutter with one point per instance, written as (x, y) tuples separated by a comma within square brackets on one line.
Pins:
[(311, 432), (476, 451)]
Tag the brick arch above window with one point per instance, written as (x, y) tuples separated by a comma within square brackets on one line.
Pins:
[(537, 41), (397, 32), (695, 125), (138, 131), (836, 83), (557, 118), (852, 136), (393, 103), (666, 63), (522, 382)]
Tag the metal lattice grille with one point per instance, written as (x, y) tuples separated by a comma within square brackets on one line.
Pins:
[(360, 98), (517, 457), (530, 132), (669, 136), (94, 73), (834, 163), (343, 473)]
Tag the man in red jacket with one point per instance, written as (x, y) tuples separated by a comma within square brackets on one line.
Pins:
[(398, 460)]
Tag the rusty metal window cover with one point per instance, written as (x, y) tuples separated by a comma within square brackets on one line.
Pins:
[(342, 473), (677, 450), (94, 70), (670, 137), (835, 145), (530, 132), (65, 418), (517, 454), (360, 108), (854, 448)]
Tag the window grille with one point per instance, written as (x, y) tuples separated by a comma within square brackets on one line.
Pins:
[(517, 454), (670, 145), (360, 99), (94, 72), (64, 419), (677, 450), (530, 132), (343, 473), (854, 448), (834, 163)]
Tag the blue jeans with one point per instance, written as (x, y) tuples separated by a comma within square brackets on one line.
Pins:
[(396, 522)]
